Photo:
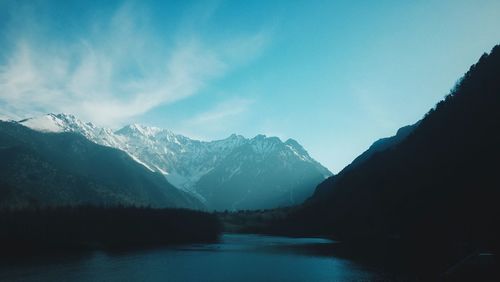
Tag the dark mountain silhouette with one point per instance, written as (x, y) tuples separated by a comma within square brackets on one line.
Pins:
[(58, 169), (442, 175), (435, 192)]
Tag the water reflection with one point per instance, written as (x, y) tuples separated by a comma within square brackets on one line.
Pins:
[(235, 258)]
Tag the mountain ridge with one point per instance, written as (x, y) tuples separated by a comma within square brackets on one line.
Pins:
[(185, 161)]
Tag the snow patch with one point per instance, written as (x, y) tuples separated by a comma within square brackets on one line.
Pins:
[(140, 162), (46, 123), (161, 170)]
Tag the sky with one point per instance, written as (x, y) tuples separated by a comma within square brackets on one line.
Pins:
[(333, 75)]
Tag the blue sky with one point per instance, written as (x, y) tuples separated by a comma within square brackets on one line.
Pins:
[(334, 75)]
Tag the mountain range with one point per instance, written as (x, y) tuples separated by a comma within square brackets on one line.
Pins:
[(232, 173)]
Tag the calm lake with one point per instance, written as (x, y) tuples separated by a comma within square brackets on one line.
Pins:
[(234, 258)]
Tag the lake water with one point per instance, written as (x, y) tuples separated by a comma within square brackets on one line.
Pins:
[(234, 258)]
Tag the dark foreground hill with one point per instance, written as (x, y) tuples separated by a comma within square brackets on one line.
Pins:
[(432, 196), (440, 182), (59, 169)]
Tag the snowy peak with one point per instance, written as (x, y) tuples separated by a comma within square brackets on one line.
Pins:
[(55, 123), (69, 123), (235, 139), (46, 123), (264, 145), (297, 149), (140, 130), (229, 143), (291, 149), (294, 144)]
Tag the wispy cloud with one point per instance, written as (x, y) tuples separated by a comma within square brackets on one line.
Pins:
[(221, 112), (118, 71), (222, 117)]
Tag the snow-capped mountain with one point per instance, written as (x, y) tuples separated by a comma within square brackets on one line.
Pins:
[(210, 170), (263, 172)]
